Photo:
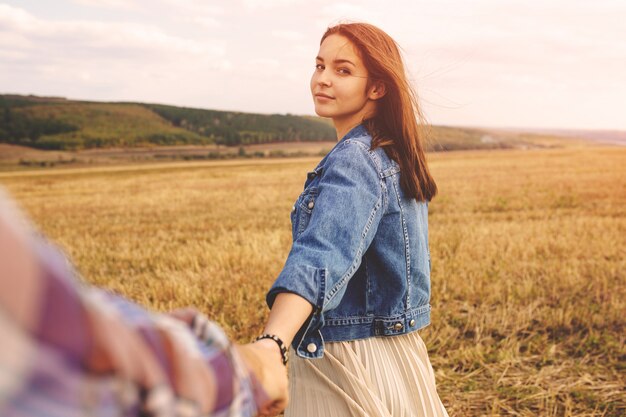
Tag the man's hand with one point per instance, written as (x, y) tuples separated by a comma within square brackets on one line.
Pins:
[(265, 362)]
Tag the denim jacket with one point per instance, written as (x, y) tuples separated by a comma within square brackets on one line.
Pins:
[(360, 249)]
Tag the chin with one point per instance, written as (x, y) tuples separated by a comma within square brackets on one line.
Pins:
[(323, 112)]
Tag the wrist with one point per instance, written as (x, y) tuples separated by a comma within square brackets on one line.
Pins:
[(275, 344), (269, 345)]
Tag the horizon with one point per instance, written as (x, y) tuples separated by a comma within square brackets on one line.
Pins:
[(512, 128)]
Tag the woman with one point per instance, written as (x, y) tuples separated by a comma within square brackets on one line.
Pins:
[(356, 284)]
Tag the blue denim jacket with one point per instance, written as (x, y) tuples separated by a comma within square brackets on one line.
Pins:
[(360, 249)]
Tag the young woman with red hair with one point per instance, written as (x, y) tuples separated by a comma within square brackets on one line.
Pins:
[(356, 284)]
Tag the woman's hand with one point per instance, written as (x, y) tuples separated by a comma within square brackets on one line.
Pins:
[(264, 360)]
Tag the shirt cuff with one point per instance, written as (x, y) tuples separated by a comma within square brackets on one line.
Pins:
[(309, 283)]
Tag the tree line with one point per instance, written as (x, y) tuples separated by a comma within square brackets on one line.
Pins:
[(235, 128)]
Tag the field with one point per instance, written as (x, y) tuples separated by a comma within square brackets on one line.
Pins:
[(528, 251)]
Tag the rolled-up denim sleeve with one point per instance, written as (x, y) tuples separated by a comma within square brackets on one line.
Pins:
[(343, 222)]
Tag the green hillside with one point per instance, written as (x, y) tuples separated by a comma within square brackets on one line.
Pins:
[(55, 123)]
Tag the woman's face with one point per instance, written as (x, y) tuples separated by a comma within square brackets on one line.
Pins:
[(339, 83)]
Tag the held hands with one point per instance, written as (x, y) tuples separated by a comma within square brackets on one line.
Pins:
[(264, 360)]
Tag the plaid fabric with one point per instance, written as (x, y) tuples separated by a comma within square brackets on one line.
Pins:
[(72, 350)]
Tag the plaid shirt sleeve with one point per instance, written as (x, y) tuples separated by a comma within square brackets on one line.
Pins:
[(71, 350)]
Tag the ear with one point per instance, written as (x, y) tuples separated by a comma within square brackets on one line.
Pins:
[(377, 91)]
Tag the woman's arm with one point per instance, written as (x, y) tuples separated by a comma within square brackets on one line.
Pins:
[(288, 314)]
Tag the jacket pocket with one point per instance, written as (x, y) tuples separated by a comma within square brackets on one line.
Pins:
[(304, 209)]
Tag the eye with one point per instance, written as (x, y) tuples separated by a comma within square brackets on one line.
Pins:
[(319, 67), (343, 71)]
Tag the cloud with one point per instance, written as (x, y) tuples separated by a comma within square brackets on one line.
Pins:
[(340, 12), (201, 8), (289, 35), (110, 4), (253, 5), (112, 60), (76, 39), (206, 22)]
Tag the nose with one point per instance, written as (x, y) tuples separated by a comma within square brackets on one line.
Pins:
[(322, 78)]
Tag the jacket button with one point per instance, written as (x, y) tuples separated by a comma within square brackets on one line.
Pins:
[(412, 323), (311, 347), (293, 208), (398, 326), (311, 205)]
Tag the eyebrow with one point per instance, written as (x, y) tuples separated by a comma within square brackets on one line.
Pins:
[(337, 61)]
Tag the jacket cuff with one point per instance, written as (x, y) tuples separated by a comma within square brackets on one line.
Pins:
[(310, 284)]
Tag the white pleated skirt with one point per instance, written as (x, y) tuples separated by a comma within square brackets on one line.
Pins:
[(375, 377)]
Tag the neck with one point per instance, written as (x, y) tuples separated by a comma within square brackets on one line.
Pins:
[(343, 128), (344, 124)]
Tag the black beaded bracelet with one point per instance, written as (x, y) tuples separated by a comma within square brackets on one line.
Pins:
[(281, 345)]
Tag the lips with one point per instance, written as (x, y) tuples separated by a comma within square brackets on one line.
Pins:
[(322, 95)]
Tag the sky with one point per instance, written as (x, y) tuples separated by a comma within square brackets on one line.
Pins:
[(498, 63)]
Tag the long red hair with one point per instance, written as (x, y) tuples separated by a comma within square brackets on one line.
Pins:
[(398, 125)]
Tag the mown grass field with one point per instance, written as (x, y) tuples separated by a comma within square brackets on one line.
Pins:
[(528, 251)]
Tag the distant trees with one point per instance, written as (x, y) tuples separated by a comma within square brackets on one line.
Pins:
[(234, 128), (21, 129)]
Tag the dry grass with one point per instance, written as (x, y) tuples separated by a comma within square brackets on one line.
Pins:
[(528, 248)]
